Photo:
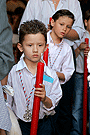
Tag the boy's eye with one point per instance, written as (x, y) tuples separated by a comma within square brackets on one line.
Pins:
[(61, 24), (30, 45), (69, 27), (40, 45)]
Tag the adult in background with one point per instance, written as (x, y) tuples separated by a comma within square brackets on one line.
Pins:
[(6, 62)]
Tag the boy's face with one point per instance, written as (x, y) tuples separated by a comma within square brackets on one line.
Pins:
[(32, 46), (87, 24), (61, 26)]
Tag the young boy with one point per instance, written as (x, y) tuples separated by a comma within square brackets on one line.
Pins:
[(61, 60), (77, 107), (32, 42)]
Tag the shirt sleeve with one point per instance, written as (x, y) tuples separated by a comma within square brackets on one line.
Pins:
[(78, 25), (55, 95), (67, 66), (10, 99), (29, 13), (6, 49), (32, 11)]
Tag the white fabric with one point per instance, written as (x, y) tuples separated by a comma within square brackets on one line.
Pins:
[(15, 129), (80, 58), (64, 63), (5, 122), (53, 90), (44, 9)]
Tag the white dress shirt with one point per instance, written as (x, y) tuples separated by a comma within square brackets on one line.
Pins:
[(80, 58), (44, 9), (52, 87), (64, 62)]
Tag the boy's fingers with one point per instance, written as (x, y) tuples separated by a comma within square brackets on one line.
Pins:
[(38, 93), (42, 85), (39, 89), (83, 43)]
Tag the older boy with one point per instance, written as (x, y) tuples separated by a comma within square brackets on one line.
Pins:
[(61, 60)]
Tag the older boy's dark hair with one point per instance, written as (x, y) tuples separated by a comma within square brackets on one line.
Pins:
[(63, 12), (87, 15), (32, 27)]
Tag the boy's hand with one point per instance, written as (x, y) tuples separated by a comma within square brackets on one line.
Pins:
[(86, 51), (83, 46), (40, 92)]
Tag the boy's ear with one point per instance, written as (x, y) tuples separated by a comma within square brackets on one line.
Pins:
[(20, 47), (85, 21), (52, 22)]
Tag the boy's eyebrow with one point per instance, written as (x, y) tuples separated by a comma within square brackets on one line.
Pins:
[(34, 43), (67, 24)]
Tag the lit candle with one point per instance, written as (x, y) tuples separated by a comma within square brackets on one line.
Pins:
[(85, 93), (36, 104), (45, 56)]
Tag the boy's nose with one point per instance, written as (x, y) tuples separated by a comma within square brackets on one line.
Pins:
[(65, 28), (35, 48)]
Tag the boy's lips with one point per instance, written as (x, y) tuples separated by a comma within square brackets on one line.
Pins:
[(62, 33), (35, 55)]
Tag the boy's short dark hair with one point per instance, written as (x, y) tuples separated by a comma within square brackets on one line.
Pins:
[(87, 15), (32, 27), (63, 12)]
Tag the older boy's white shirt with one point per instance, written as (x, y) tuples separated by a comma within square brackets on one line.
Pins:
[(80, 58), (44, 9), (64, 63), (53, 91)]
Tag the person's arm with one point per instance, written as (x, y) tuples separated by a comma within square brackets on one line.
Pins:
[(47, 102), (54, 92), (6, 49), (68, 65), (77, 52), (82, 47), (61, 76), (77, 30), (4, 81), (2, 132), (72, 35)]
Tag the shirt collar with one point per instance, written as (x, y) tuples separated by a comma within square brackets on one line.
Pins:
[(49, 40), (21, 65)]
